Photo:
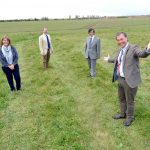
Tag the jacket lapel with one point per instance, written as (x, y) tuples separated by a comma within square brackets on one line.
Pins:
[(124, 58), (115, 76), (117, 56), (94, 40)]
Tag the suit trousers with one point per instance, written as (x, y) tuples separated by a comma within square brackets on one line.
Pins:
[(92, 66), (126, 97), (46, 59), (13, 73)]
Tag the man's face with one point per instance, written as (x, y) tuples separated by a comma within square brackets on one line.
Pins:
[(91, 33), (45, 30), (122, 40)]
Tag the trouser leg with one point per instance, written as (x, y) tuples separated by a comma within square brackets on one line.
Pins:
[(89, 63), (44, 61), (93, 67), (122, 98), (9, 76), (16, 74), (130, 94), (48, 58)]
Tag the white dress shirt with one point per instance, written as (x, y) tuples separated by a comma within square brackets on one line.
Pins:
[(122, 63), (92, 37)]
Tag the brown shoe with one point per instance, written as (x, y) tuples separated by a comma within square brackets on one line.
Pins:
[(119, 116)]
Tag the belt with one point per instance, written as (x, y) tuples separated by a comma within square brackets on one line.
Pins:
[(122, 77)]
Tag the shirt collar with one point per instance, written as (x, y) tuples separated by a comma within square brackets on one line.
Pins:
[(92, 37)]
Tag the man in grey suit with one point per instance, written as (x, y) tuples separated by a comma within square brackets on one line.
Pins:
[(92, 51), (127, 72)]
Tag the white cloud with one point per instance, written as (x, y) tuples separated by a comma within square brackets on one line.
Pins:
[(63, 8)]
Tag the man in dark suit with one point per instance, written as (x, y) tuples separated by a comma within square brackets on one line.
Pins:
[(92, 51), (127, 72)]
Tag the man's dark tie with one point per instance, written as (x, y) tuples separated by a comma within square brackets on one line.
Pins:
[(48, 42)]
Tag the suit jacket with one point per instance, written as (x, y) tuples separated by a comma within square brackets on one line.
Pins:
[(92, 52), (43, 45), (130, 65), (3, 58)]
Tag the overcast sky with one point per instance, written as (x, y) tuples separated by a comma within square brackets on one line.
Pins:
[(17, 9)]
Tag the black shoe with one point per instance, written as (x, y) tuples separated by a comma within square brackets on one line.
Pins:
[(13, 90), (119, 116), (128, 122), (92, 77), (19, 89)]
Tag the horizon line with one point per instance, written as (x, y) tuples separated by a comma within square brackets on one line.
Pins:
[(77, 17)]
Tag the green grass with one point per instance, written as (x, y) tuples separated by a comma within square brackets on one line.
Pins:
[(62, 108)]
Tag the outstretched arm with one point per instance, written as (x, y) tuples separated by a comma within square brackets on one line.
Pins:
[(110, 60), (142, 54)]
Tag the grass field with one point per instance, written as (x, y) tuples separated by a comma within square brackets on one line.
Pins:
[(62, 108)]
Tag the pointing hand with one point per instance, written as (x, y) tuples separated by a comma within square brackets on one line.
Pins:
[(107, 58)]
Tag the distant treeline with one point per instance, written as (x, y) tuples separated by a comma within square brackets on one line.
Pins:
[(70, 18)]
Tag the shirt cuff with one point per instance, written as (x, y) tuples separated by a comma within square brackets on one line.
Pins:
[(148, 52)]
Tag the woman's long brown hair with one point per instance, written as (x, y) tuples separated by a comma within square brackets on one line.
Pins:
[(8, 39)]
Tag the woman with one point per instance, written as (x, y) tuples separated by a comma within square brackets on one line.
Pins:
[(9, 60)]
